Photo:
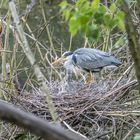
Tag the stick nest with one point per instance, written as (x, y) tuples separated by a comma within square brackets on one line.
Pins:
[(96, 110)]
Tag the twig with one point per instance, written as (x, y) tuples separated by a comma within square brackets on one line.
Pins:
[(120, 113), (128, 69), (29, 7), (129, 132), (101, 135), (74, 130)]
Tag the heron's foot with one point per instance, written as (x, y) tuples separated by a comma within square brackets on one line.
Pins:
[(89, 79)]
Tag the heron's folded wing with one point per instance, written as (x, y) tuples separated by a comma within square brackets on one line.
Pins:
[(90, 61)]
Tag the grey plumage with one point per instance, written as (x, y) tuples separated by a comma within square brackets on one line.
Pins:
[(91, 59)]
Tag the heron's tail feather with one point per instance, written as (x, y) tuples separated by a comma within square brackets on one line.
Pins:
[(115, 61)]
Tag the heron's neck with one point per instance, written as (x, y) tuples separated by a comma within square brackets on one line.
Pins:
[(69, 62)]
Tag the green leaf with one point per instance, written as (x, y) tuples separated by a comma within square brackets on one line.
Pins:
[(74, 26), (63, 5), (121, 26), (80, 3), (109, 22), (92, 33), (99, 15), (67, 13), (95, 4), (85, 8), (84, 19), (102, 9), (113, 7), (120, 17)]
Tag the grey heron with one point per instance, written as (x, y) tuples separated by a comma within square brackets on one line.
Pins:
[(87, 59)]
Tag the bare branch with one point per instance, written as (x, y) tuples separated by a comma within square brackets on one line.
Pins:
[(29, 7), (25, 46), (34, 124)]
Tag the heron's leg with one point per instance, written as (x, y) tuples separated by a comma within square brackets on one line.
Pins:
[(90, 78)]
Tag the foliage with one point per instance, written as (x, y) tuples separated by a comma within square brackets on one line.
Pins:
[(91, 18)]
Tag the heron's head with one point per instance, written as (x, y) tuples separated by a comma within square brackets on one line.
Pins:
[(63, 58)]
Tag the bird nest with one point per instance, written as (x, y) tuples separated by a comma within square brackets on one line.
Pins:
[(96, 110)]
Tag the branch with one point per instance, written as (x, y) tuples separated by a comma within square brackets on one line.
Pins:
[(25, 46), (138, 8), (29, 7), (133, 39), (34, 124)]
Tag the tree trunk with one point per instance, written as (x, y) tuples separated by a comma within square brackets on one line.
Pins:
[(133, 39)]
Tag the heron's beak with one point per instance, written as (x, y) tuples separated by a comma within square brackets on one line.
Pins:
[(59, 61)]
